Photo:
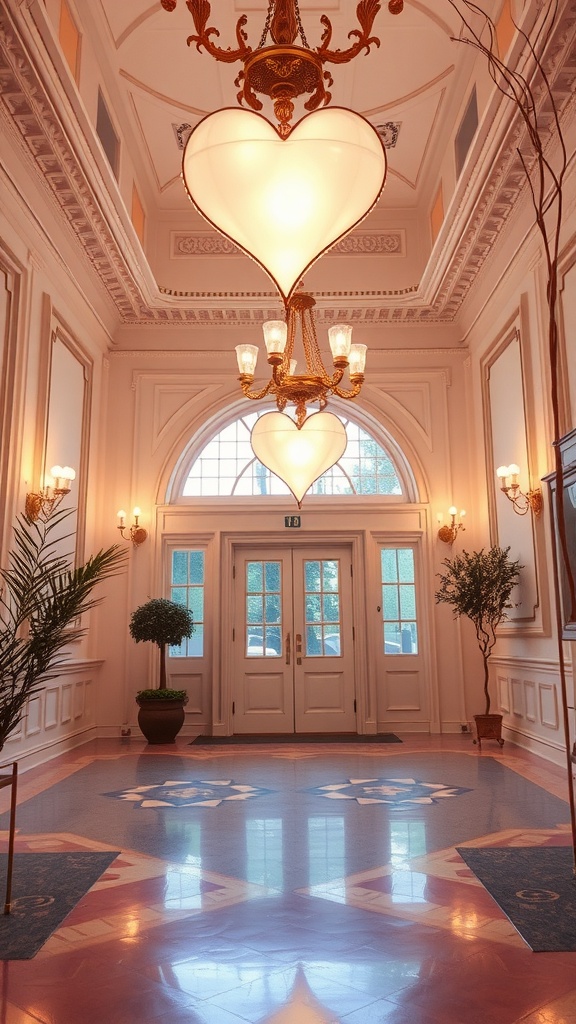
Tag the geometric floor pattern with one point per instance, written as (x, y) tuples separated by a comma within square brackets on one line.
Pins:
[(401, 794), (258, 899), (188, 793)]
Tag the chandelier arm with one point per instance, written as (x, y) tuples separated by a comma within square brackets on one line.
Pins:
[(320, 95), (257, 395), (200, 11), (331, 383), (352, 392), (246, 92), (366, 11)]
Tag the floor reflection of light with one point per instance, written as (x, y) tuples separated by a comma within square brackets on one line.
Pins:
[(326, 848), (407, 840), (183, 888), (302, 995), (408, 886), (132, 926), (264, 865), (464, 923)]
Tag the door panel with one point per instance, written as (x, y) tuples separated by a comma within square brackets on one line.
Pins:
[(324, 672), (263, 684), (405, 699), (293, 641)]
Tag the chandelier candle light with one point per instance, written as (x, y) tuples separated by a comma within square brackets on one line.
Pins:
[(316, 384)]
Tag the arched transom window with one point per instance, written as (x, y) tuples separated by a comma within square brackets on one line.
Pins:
[(227, 466)]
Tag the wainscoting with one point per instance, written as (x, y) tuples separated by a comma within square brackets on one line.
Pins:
[(530, 698), (58, 718)]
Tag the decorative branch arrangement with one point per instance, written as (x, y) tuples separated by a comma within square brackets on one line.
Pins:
[(542, 153)]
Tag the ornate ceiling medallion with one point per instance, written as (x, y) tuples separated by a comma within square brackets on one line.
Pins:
[(284, 70)]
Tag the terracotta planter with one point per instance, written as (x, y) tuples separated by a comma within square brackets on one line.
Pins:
[(488, 727), (160, 720)]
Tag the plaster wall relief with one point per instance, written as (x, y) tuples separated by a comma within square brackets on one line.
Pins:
[(64, 414), (508, 440), (185, 245), (567, 319), (10, 366), (115, 257)]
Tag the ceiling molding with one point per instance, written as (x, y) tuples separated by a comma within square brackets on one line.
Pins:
[(114, 255)]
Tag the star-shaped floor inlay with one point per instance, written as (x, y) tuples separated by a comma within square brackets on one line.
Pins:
[(188, 793), (398, 793)]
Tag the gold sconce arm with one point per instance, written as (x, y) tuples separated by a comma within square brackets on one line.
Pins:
[(448, 534), (522, 502), (136, 533), (57, 486)]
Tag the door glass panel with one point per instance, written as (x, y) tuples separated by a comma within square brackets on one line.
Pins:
[(399, 619), (322, 607), (263, 625), (187, 588)]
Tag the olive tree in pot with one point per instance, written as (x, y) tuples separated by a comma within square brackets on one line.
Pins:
[(166, 624), (42, 600), (479, 585)]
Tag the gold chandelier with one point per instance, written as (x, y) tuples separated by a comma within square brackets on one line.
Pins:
[(316, 384), (285, 70)]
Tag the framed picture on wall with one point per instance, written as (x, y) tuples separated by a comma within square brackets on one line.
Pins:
[(567, 445)]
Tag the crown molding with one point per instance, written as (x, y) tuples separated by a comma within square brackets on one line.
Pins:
[(32, 110)]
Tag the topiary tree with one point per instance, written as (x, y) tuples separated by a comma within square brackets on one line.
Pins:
[(42, 600), (164, 623), (479, 585)]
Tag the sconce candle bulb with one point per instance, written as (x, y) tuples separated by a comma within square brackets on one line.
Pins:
[(449, 533), (521, 502), (137, 534), (56, 485)]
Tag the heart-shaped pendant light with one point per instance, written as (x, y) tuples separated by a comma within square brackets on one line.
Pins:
[(298, 455), (284, 201)]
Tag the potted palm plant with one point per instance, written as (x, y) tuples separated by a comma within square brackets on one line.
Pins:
[(42, 599), (479, 585), (166, 624)]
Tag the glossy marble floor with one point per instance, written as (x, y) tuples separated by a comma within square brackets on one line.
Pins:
[(293, 884)]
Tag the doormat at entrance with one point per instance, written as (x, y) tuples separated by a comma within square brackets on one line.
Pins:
[(309, 737), (535, 887), (45, 888)]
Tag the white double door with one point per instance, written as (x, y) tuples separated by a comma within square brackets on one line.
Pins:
[(293, 641)]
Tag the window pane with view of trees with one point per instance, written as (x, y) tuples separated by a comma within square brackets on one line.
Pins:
[(227, 466)]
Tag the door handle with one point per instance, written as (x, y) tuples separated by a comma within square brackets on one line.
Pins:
[(298, 648), (287, 648)]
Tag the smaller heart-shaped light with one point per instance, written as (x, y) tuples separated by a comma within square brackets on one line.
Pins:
[(298, 456)]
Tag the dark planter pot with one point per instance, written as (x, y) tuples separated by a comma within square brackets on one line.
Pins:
[(488, 727), (160, 720)]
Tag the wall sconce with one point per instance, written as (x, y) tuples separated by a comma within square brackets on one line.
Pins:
[(137, 534), (449, 533), (508, 479), (56, 486)]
